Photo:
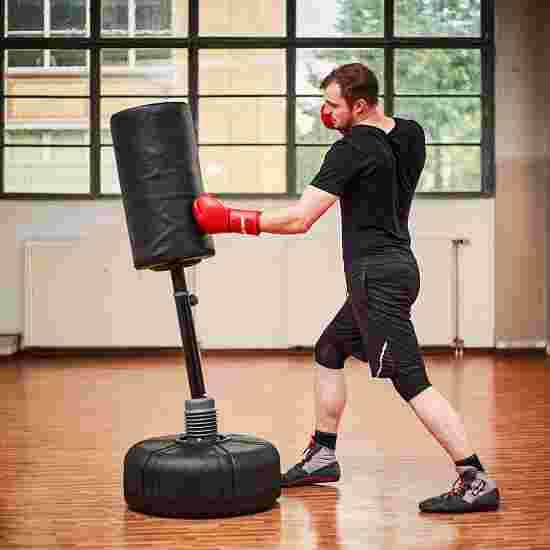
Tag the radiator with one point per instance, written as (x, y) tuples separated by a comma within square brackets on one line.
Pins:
[(86, 293), (262, 293), (435, 312)]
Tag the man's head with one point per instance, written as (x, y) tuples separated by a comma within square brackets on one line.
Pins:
[(351, 94)]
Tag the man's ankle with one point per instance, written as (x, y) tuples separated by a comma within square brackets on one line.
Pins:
[(326, 439)]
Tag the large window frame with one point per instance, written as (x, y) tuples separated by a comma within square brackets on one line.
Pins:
[(194, 43)]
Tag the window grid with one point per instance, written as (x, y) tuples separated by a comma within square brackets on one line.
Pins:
[(194, 43), (47, 31)]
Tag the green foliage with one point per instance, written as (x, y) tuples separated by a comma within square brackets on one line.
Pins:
[(437, 17), (360, 17)]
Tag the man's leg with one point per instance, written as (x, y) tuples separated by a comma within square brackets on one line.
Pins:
[(330, 398), (473, 491), (336, 344), (319, 464), (442, 421)]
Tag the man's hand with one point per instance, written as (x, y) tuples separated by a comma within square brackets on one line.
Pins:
[(214, 217)]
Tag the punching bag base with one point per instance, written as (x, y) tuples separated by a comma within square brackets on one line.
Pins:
[(179, 476)]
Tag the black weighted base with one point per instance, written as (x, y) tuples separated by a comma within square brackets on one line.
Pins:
[(179, 476)]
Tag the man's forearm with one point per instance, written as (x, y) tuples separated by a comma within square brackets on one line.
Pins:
[(283, 221)]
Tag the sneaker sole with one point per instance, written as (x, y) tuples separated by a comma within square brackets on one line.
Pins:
[(484, 508), (311, 480)]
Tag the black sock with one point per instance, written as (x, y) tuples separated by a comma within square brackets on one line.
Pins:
[(326, 439), (471, 461)]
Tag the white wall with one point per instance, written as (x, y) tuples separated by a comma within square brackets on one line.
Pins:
[(274, 285)]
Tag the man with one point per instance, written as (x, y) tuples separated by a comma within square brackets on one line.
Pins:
[(373, 170)]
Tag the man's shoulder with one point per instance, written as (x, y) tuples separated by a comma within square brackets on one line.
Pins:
[(408, 126)]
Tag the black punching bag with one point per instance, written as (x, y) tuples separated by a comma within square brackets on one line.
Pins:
[(159, 174), (201, 473)]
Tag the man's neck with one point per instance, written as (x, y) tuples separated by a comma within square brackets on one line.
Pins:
[(377, 119)]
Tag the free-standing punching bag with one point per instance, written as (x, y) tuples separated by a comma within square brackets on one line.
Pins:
[(199, 473)]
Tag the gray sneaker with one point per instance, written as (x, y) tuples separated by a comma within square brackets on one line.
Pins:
[(319, 465), (473, 491)]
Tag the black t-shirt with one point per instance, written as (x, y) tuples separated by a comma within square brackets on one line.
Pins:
[(375, 175)]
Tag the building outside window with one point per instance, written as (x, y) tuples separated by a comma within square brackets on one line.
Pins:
[(250, 70)]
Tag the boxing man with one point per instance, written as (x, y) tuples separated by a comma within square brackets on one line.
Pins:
[(373, 170)]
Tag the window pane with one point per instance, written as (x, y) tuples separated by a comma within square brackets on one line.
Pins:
[(25, 58), (114, 57), (148, 18), (444, 119), (114, 17), (243, 169), (452, 169), (250, 120), (68, 16), (157, 56), (68, 58), (154, 16), (110, 106), (244, 18), (31, 136), (438, 71), (30, 72), (313, 65), (109, 172), (25, 15), (48, 116), (21, 136), (143, 72), (309, 128), (46, 170), (339, 18), (438, 18), (242, 72), (308, 162)]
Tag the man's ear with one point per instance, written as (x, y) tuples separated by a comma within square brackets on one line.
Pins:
[(360, 106)]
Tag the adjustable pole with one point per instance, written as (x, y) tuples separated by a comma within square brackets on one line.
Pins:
[(184, 301)]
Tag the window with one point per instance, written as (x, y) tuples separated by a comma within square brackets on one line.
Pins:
[(136, 17), (250, 71), (47, 17)]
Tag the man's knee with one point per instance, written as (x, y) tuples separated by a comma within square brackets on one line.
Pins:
[(327, 353), (411, 381)]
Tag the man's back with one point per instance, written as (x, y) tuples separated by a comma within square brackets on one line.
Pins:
[(375, 175)]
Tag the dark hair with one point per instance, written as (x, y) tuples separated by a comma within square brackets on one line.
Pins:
[(356, 81)]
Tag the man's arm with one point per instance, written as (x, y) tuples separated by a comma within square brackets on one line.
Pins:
[(299, 217), (215, 217)]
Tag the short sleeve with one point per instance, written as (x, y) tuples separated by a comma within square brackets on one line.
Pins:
[(340, 165)]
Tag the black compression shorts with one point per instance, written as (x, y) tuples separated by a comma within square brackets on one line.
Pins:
[(374, 324)]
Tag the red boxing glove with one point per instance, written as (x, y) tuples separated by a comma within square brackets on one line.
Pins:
[(214, 217), (326, 117), (328, 121)]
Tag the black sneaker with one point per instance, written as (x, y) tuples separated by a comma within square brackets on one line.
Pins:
[(473, 491), (319, 465)]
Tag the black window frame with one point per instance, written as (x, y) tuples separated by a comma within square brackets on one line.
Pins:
[(193, 42)]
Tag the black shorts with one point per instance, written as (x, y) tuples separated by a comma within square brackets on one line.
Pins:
[(374, 324)]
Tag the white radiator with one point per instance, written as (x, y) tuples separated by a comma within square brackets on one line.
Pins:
[(87, 293), (434, 313), (257, 293)]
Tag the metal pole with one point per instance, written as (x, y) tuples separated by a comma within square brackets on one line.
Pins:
[(458, 342), (184, 301)]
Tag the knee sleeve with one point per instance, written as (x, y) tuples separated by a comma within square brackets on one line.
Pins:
[(411, 381), (328, 355)]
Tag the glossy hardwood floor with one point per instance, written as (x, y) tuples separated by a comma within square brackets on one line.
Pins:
[(66, 423)]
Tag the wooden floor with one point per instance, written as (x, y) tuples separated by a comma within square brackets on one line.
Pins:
[(66, 423)]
